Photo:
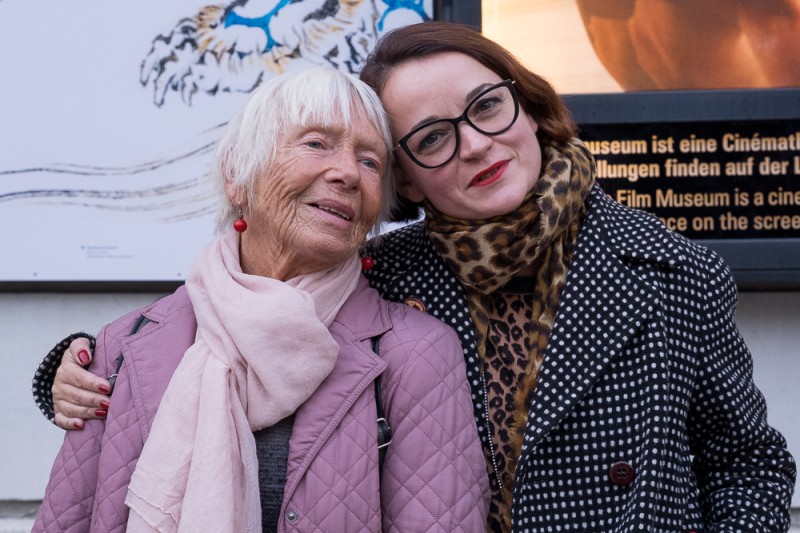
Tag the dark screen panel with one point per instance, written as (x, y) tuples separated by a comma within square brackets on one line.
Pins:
[(721, 167)]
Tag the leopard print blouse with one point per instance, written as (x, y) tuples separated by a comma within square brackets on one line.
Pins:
[(507, 354)]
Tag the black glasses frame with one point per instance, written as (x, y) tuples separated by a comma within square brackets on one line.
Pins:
[(403, 143)]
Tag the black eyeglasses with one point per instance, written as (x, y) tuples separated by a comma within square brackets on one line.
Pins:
[(435, 143)]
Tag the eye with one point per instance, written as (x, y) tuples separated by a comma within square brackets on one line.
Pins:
[(371, 164), (485, 105), (431, 138), (314, 143)]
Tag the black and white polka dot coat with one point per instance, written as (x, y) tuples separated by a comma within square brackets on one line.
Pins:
[(645, 417)]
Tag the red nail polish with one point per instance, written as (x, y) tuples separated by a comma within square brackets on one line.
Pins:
[(103, 389), (104, 405), (83, 357), (78, 424), (100, 413)]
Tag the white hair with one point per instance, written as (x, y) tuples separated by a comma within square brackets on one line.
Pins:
[(320, 96)]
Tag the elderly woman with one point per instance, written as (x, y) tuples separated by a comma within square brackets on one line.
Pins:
[(244, 401)]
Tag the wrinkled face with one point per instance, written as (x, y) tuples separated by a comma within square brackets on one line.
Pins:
[(314, 208), (489, 175)]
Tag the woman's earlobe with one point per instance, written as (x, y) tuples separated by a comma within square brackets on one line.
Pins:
[(230, 189), (233, 193)]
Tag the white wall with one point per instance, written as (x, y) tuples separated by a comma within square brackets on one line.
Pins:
[(770, 323), (31, 323)]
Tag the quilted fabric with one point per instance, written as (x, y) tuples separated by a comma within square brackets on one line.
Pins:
[(433, 476), (644, 367)]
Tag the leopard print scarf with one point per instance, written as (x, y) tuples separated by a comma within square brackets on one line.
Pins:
[(487, 254)]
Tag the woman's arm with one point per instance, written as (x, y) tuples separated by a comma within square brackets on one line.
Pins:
[(745, 473), (69, 498), (434, 475), (68, 503), (65, 392)]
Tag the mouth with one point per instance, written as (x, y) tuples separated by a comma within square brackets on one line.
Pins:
[(489, 175), (339, 212)]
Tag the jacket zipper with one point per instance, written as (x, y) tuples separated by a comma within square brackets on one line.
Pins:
[(488, 432)]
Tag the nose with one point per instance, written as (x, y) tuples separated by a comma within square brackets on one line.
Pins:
[(343, 168), (474, 144)]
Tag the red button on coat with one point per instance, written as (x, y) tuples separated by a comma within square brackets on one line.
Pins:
[(621, 474)]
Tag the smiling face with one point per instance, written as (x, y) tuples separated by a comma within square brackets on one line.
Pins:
[(317, 202), (489, 175)]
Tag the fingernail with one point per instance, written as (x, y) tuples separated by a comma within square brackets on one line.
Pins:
[(103, 389), (83, 357), (100, 413), (104, 405), (78, 424)]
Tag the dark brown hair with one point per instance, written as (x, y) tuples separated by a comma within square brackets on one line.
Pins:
[(537, 96)]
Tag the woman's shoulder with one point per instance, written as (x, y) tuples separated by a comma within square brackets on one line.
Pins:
[(399, 246), (405, 317), (639, 234), (644, 242), (405, 263), (366, 314), (416, 336), (175, 308), (406, 335)]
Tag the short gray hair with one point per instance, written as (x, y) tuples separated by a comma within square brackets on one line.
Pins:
[(320, 96)]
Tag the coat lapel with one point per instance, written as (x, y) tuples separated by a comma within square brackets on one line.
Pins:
[(356, 368), (317, 418), (604, 303)]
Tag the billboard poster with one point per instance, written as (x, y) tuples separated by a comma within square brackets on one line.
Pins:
[(111, 111)]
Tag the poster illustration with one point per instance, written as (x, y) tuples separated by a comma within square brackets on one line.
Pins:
[(587, 46), (111, 110)]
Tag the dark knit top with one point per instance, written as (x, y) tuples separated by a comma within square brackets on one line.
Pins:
[(272, 450)]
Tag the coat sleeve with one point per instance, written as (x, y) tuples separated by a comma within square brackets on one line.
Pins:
[(745, 473), (434, 477), (42, 388), (69, 497)]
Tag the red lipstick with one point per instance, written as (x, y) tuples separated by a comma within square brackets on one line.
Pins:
[(489, 175)]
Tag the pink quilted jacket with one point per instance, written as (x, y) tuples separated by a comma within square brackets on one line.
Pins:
[(434, 478)]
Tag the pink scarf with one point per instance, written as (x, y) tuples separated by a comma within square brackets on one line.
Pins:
[(262, 348)]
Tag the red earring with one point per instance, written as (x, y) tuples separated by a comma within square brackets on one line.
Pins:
[(367, 263), (239, 224)]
